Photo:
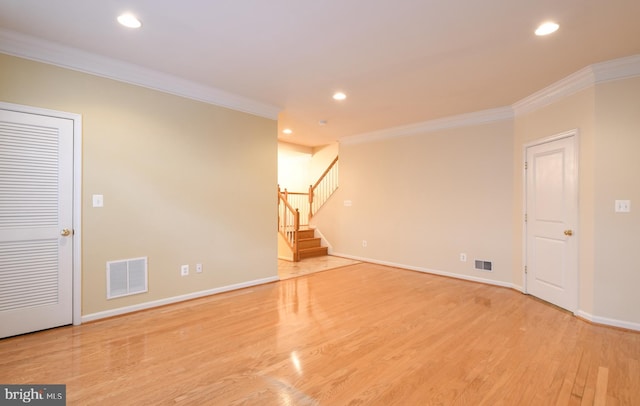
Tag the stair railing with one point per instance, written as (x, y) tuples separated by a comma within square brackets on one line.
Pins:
[(300, 201), (288, 222), (307, 204), (320, 192)]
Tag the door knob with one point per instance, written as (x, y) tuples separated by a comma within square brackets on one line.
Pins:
[(65, 233), (568, 232)]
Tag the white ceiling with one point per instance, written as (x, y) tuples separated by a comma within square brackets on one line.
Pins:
[(400, 62)]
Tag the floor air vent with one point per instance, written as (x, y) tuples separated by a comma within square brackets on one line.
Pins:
[(126, 277), (483, 265)]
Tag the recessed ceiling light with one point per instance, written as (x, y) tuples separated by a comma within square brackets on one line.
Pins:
[(339, 96), (547, 28), (287, 131), (129, 20)]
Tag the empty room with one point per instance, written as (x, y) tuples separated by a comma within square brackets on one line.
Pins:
[(331, 203)]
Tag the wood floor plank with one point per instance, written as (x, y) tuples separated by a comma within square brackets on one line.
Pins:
[(359, 335), (600, 396)]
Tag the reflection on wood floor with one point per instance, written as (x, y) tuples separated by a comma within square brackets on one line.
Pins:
[(288, 269), (357, 335)]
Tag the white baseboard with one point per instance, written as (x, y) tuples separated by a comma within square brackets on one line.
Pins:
[(175, 299), (430, 271), (607, 321)]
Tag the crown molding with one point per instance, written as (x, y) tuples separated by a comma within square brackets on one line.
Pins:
[(580, 80), (462, 120), (615, 69), (28, 47)]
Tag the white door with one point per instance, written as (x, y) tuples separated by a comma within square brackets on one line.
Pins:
[(551, 219), (36, 217)]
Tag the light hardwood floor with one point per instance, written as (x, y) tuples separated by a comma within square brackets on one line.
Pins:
[(358, 335)]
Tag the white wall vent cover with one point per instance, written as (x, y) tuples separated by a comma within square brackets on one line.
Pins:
[(126, 277)]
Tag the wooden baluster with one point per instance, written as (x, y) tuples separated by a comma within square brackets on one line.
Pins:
[(296, 227), (284, 223), (310, 202)]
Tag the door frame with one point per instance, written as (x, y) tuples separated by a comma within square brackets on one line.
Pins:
[(566, 134), (77, 195)]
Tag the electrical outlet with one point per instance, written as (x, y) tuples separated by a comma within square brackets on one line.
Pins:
[(199, 268), (463, 257), (184, 270), (364, 243)]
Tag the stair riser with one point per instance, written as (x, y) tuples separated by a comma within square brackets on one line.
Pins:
[(309, 243), (304, 234), (312, 252)]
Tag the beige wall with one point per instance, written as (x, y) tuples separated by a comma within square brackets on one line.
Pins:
[(322, 158), (184, 182), (421, 200), (608, 119), (300, 166), (294, 163), (617, 176), (166, 166), (573, 112)]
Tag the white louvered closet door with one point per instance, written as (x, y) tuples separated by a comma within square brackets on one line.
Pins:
[(36, 210)]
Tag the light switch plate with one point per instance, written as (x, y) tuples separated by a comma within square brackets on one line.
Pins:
[(623, 206), (98, 200)]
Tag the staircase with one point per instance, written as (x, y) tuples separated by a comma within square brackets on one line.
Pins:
[(309, 245), (302, 242)]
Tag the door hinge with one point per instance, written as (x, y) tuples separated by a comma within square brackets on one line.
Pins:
[(525, 217), (525, 269), (526, 165)]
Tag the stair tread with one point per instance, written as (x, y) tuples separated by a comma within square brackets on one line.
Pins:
[(313, 249), (312, 252)]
